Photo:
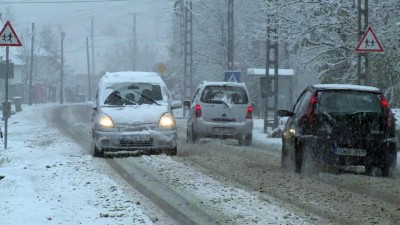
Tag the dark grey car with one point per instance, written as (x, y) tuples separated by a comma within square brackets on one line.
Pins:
[(340, 125)]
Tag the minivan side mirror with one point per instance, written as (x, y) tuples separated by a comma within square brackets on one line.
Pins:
[(91, 104), (186, 103), (176, 104)]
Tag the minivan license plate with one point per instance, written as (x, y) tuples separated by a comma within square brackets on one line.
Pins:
[(351, 151), (136, 138)]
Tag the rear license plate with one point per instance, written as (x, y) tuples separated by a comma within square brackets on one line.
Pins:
[(223, 130), (351, 151), (136, 138)]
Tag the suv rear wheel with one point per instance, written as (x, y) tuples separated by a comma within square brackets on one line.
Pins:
[(245, 140), (171, 151), (192, 137)]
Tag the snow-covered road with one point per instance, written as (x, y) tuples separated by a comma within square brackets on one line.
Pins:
[(52, 179)]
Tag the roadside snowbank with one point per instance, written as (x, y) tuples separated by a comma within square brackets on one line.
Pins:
[(49, 180)]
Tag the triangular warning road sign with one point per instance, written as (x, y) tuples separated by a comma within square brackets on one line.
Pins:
[(369, 42), (233, 78), (8, 37)]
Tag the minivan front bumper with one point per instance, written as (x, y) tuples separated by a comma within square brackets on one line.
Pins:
[(151, 140)]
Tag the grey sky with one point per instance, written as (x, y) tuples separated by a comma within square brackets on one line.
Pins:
[(113, 19)]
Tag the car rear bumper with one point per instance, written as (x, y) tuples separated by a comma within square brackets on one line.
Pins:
[(351, 152), (132, 141), (223, 130)]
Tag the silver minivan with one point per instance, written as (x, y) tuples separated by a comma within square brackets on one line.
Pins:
[(133, 112), (220, 110)]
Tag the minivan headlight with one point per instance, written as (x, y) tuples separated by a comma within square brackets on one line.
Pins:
[(106, 121), (167, 121)]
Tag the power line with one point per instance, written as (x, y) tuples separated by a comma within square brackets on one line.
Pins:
[(63, 2)]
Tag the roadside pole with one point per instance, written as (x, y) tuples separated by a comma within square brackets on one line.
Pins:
[(5, 104), (8, 37)]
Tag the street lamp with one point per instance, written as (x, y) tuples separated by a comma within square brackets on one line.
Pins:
[(62, 67)]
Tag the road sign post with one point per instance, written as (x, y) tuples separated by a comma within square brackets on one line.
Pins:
[(8, 38)]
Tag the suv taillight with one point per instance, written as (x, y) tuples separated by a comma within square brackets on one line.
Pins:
[(384, 102), (389, 114), (249, 112), (197, 111), (310, 109)]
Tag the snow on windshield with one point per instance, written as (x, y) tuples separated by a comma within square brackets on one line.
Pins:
[(129, 88)]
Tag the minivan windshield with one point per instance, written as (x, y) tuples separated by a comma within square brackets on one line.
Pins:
[(119, 94), (220, 94), (349, 102)]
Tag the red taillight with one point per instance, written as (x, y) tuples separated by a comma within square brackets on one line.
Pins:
[(198, 111), (310, 109), (384, 102), (249, 112), (313, 100), (390, 118)]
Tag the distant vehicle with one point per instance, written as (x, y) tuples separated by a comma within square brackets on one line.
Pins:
[(133, 112), (340, 125), (220, 110)]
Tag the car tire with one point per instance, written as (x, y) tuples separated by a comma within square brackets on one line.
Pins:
[(389, 169), (309, 164), (171, 151), (245, 140), (195, 137), (288, 159), (97, 152), (298, 157), (189, 138)]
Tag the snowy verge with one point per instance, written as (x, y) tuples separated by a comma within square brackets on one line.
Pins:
[(49, 180)]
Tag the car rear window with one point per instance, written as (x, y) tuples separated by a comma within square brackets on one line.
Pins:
[(349, 101), (227, 94)]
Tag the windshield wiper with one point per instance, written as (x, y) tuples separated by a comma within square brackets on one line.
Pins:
[(148, 98)]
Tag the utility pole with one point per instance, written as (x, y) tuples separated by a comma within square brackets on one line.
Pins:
[(31, 66), (231, 51), (185, 7), (6, 102), (62, 68), (88, 67), (134, 42), (92, 38), (362, 13), (271, 45)]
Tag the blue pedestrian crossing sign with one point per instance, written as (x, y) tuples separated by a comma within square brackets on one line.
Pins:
[(232, 76)]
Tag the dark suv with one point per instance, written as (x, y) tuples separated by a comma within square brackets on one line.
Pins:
[(340, 125)]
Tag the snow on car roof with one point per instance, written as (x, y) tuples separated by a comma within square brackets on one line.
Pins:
[(220, 83), (130, 76), (346, 87)]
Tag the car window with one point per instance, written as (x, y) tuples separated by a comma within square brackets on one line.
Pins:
[(303, 106), (349, 101), (195, 95), (297, 105), (220, 94)]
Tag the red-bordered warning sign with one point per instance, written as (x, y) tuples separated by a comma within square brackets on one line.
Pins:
[(8, 37), (369, 42)]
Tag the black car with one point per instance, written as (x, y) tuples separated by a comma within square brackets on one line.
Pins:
[(340, 125)]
